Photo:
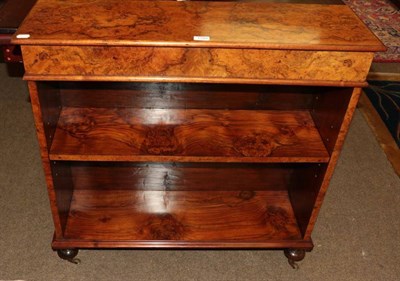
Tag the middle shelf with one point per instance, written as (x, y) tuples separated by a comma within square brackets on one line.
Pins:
[(186, 135)]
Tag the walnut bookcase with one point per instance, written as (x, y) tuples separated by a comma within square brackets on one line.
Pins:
[(151, 139)]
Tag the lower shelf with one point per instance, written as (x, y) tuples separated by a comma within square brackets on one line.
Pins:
[(157, 218)]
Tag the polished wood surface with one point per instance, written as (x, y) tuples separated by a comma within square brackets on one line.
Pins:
[(63, 187), (50, 107), (128, 134), (62, 243), (337, 148), (174, 23), (37, 105), (185, 216), (328, 112), (303, 190), (208, 80), (327, 120), (152, 176), (186, 95), (178, 143), (190, 64)]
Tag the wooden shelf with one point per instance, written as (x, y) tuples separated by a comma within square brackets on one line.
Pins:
[(235, 216), (191, 135)]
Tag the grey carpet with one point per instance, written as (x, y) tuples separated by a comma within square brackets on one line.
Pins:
[(356, 236)]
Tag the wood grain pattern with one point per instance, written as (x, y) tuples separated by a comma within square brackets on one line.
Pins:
[(191, 64), (303, 190), (63, 188), (328, 113), (46, 105), (44, 153), (330, 108), (344, 128), (50, 106), (171, 23), (128, 134), (180, 215), (129, 172), (180, 176), (186, 95)]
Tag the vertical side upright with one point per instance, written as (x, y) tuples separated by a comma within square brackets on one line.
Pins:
[(336, 148), (46, 114), (328, 112), (303, 191)]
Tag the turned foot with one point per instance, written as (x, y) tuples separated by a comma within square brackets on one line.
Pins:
[(69, 255), (294, 255)]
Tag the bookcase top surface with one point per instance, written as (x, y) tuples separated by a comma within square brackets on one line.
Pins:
[(196, 24)]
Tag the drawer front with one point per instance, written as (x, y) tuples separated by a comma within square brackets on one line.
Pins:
[(194, 64)]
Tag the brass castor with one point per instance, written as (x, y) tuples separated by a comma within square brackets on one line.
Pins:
[(294, 255), (69, 255)]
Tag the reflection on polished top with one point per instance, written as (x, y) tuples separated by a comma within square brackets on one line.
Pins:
[(217, 24)]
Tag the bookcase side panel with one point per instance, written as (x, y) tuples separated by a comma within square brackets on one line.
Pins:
[(328, 112), (337, 147), (46, 105), (303, 191)]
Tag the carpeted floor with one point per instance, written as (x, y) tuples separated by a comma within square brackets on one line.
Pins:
[(356, 236)]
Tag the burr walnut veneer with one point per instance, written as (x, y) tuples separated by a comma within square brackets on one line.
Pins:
[(169, 124)]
